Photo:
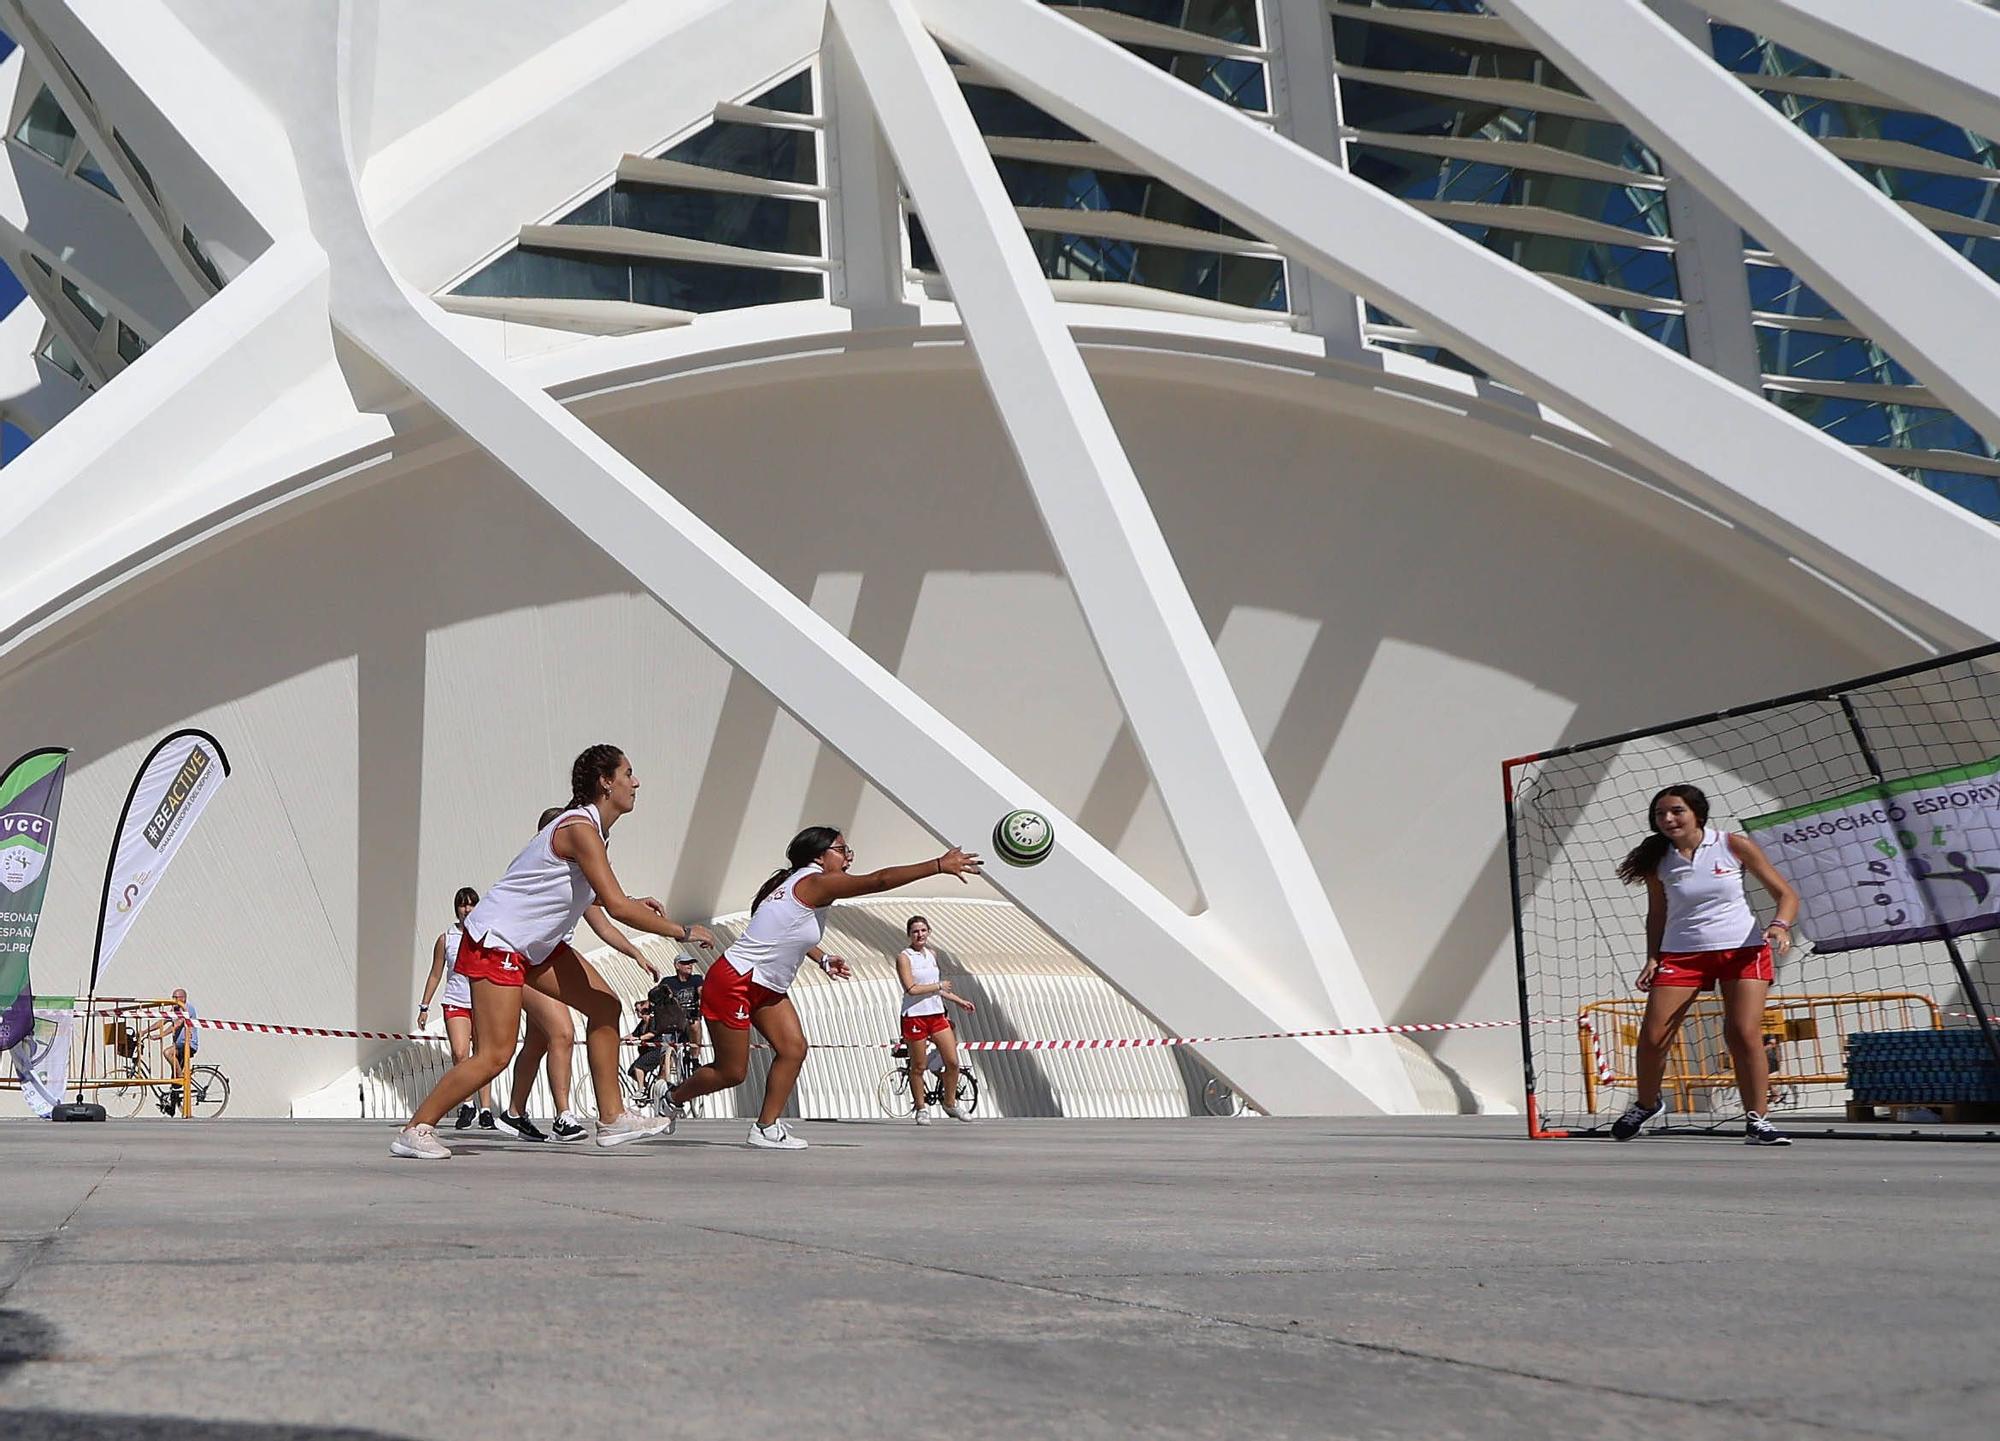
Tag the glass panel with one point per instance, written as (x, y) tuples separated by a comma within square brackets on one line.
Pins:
[(754, 222), (762, 150), (88, 169), (46, 130), (553, 275), (1389, 47), (42, 265), (1234, 20), (795, 95), (1649, 272), (1001, 112), (691, 285), (1367, 105), (1238, 81), (86, 305), (199, 255), (130, 346), (1062, 187), (1249, 280), (58, 354), (1865, 422), (145, 176), (1979, 494), (1811, 356), (1434, 177)]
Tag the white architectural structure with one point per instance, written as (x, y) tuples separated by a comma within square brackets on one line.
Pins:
[(1229, 426)]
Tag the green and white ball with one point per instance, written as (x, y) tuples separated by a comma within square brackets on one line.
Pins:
[(1024, 838)]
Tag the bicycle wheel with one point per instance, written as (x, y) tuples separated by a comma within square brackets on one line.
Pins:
[(687, 1060), (125, 1099), (892, 1093), (968, 1092), (1219, 1099), (211, 1091)]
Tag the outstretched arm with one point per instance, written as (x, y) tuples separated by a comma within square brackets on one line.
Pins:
[(818, 890)]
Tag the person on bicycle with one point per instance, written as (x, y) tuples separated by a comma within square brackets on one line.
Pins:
[(683, 989), (926, 1022), (654, 1029), (183, 1035)]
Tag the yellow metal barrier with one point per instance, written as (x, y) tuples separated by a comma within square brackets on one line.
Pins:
[(131, 1061), (1803, 1035)]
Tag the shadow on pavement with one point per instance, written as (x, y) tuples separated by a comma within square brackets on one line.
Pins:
[(25, 1337)]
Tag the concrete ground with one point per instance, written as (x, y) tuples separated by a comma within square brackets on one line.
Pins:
[(1243, 1279)]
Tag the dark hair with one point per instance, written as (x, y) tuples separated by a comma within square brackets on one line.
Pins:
[(806, 847), (590, 771), (912, 921), (466, 896), (548, 815), (1645, 858)]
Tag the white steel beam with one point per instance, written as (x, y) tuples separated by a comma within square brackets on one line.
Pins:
[(1928, 306), (1239, 839), (1941, 56), (1733, 450), (1187, 971)]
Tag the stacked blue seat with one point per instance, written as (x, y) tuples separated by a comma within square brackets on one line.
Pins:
[(1953, 1067)]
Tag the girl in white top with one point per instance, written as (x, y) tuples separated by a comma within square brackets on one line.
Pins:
[(749, 985), (1701, 932), (925, 1022), (518, 936), (457, 1002)]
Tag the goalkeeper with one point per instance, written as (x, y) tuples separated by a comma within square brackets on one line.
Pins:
[(1701, 932)]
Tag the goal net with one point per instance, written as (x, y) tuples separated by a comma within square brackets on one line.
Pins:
[(1879, 800)]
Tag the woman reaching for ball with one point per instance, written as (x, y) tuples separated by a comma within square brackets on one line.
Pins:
[(518, 936), (925, 1021), (1701, 932), (749, 985)]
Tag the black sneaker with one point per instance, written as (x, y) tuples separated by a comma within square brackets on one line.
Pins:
[(464, 1121), (519, 1127), (1759, 1132), (1627, 1126), (485, 1120), (568, 1128)]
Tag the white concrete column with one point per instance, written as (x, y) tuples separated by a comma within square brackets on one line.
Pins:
[(1306, 102), (865, 219), (1714, 285)]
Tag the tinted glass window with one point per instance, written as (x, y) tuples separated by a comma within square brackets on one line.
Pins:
[(761, 150), (46, 130)]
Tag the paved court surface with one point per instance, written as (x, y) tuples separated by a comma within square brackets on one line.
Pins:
[(1241, 1279)]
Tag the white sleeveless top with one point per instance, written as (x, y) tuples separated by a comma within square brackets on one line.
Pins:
[(924, 971), (535, 907), (1706, 910), (774, 945), (457, 989)]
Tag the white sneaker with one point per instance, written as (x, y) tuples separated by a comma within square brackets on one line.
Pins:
[(419, 1143), (775, 1137), (921, 1115), (631, 1126), (958, 1113)]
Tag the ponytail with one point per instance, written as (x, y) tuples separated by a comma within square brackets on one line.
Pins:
[(1644, 859), (589, 772), (806, 847)]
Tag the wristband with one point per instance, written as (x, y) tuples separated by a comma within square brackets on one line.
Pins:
[(1785, 924)]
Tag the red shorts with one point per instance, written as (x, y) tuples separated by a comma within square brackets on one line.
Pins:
[(922, 1028), (1702, 969), (480, 962), (729, 997), (452, 1013)]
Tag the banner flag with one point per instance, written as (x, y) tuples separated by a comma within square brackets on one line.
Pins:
[(1916, 859), (174, 786), (41, 1059), (30, 796)]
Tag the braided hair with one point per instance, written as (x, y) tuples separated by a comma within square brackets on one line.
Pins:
[(590, 771)]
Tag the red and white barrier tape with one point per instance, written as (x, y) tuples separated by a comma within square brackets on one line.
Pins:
[(1605, 1074), (1100, 1043)]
